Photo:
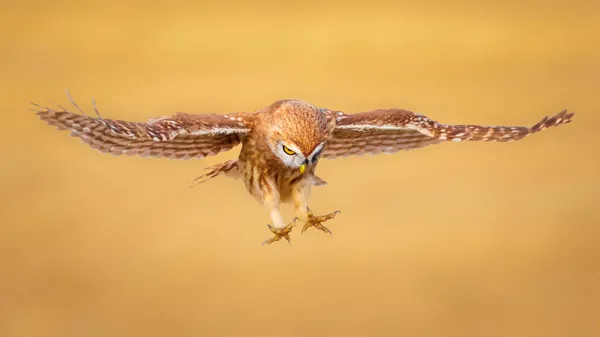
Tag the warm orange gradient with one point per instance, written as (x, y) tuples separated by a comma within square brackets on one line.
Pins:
[(472, 239)]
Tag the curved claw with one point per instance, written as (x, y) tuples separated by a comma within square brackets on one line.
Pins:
[(326, 230), (304, 228), (279, 233)]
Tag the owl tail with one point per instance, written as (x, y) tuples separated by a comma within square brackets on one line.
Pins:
[(319, 182), (228, 168)]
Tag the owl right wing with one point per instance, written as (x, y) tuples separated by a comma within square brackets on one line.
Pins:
[(392, 130), (181, 136)]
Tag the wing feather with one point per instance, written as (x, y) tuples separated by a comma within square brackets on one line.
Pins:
[(181, 136), (392, 130)]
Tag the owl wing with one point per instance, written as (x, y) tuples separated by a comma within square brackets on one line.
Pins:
[(392, 130), (181, 136)]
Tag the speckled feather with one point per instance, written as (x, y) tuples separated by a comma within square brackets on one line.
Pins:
[(392, 130), (231, 169), (181, 136)]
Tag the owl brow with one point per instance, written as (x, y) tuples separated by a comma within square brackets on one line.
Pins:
[(318, 149)]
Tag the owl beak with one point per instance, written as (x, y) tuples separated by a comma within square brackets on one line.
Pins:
[(302, 168)]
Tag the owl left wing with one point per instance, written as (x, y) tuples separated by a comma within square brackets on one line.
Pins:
[(181, 136), (392, 130)]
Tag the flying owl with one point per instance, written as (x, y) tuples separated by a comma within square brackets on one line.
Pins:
[(281, 144)]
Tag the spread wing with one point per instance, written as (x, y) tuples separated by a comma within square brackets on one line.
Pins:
[(181, 136), (392, 130)]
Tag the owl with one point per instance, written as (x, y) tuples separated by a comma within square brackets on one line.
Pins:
[(281, 145)]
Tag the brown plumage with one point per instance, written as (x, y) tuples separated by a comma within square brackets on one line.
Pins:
[(281, 144)]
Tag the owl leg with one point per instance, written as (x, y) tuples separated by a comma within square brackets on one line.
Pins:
[(304, 214), (279, 228)]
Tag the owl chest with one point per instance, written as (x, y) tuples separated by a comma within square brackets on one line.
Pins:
[(263, 175)]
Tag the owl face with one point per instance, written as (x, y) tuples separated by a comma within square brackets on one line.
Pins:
[(291, 155)]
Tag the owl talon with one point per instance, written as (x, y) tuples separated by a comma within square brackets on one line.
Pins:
[(280, 233), (317, 221)]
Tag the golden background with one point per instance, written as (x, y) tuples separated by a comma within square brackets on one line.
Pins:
[(472, 239)]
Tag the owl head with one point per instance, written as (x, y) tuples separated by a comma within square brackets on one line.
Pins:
[(296, 133)]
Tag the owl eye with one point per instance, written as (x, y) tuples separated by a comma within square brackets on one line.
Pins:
[(288, 151)]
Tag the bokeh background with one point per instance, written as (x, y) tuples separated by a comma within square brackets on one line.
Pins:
[(463, 239)]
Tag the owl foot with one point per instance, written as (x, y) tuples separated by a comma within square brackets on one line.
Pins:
[(317, 221), (280, 233)]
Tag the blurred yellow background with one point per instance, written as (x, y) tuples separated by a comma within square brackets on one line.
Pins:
[(472, 239)]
